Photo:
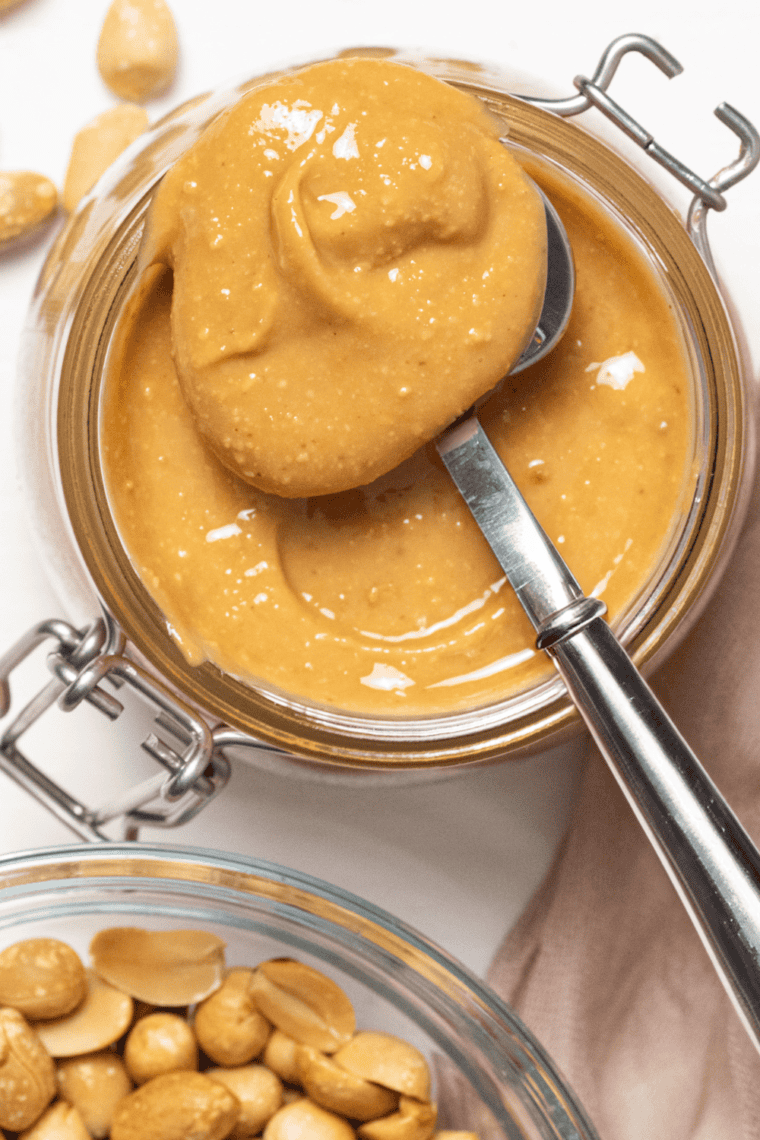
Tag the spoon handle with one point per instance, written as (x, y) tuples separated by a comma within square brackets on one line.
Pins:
[(711, 860)]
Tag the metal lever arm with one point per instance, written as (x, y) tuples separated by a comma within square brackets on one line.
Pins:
[(711, 860)]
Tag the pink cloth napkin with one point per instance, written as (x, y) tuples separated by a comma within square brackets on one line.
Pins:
[(604, 966)]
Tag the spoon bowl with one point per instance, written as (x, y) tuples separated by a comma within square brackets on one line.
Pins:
[(558, 295)]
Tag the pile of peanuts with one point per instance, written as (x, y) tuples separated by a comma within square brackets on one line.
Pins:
[(137, 58), (159, 1040)]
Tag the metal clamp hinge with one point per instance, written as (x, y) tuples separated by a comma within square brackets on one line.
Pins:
[(708, 194), (194, 768)]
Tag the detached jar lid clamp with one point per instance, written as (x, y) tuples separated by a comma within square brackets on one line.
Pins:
[(193, 756)]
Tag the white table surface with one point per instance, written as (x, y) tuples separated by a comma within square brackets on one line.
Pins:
[(458, 858)]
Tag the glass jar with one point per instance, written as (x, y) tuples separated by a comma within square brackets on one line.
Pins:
[(489, 1074), (86, 278)]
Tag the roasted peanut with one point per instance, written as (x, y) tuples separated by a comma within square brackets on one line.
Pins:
[(303, 1119), (174, 1107), (137, 49), (230, 1028), (280, 1056), (97, 145), (388, 1061), (41, 978), (102, 1018), (159, 1043), (338, 1090), (260, 1094), (27, 1073), (27, 200), (94, 1084), (304, 1003), (59, 1122), (413, 1121), (375, 1080)]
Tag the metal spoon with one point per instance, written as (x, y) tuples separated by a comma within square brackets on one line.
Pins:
[(558, 294), (711, 860)]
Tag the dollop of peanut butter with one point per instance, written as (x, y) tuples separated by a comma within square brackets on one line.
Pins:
[(357, 258)]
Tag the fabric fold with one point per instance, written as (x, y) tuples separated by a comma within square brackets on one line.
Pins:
[(604, 965)]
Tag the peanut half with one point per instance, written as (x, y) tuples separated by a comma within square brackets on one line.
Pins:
[(94, 1084), (303, 1119), (387, 1060), (137, 49), (97, 145), (161, 967), (304, 1003), (413, 1121), (280, 1056), (102, 1018), (59, 1122), (340, 1091), (260, 1094), (27, 200)]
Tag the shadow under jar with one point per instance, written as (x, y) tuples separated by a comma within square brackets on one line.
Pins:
[(509, 710)]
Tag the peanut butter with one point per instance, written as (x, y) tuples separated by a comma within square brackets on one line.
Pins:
[(384, 598), (356, 259)]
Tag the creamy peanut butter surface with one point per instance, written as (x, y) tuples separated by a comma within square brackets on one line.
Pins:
[(356, 259), (385, 598)]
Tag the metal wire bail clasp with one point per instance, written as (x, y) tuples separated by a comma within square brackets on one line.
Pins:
[(708, 194), (194, 770)]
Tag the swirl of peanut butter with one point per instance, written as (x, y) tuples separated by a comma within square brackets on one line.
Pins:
[(357, 258)]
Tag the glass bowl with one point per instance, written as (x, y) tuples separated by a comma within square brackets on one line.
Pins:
[(82, 286), (489, 1074)]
